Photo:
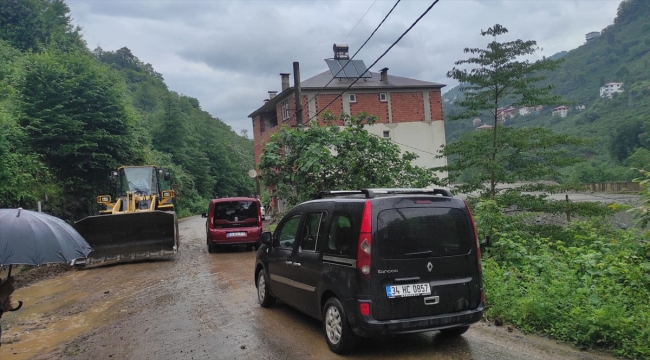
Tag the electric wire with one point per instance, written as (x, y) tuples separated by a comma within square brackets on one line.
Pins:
[(361, 47), (379, 58), (346, 36)]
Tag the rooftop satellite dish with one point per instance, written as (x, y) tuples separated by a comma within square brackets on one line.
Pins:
[(252, 174)]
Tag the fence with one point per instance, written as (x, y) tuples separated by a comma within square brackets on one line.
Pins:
[(615, 186)]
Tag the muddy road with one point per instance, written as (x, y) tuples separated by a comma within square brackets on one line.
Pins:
[(204, 306)]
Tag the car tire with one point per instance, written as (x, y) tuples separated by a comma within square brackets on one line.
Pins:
[(212, 248), (338, 334), (264, 297), (453, 332)]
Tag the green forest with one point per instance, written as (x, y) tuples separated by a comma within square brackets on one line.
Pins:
[(69, 115), (619, 128)]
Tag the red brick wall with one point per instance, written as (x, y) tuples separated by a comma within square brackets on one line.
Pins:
[(407, 107), (435, 101), (370, 103), (262, 135), (336, 108)]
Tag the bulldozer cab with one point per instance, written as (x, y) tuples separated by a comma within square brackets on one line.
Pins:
[(144, 180)]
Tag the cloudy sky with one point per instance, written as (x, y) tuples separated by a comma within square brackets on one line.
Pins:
[(229, 54)]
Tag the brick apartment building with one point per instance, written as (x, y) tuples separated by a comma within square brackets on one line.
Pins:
[(409, 111)]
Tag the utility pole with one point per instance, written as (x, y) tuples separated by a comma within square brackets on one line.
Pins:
[(296, 84)]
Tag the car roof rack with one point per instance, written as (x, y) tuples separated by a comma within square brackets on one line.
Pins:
[(372, 193)]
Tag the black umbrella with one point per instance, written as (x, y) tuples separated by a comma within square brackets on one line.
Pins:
[(34, 238)]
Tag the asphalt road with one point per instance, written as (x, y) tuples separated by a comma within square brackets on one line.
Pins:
[(203, 306)]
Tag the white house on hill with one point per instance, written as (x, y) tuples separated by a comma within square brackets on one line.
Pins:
[(610, 88)]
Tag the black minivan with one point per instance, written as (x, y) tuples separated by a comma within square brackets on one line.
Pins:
[(376, 262)]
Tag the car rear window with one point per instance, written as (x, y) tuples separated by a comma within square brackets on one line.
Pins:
[(229, 214), (420, 232)]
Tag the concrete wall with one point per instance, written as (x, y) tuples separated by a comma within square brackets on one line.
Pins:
[(421, 138)]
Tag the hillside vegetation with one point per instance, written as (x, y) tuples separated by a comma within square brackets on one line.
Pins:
[(68, 116), (620, 127)]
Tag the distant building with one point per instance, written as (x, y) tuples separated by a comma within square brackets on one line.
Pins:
[(503, 113), (483, 127), (561, 110), (476, 121), (592, 35), (526, 110), (608, 89), (580, 107)]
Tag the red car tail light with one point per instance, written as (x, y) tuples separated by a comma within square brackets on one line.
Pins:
[(365, 241), (364, 308)]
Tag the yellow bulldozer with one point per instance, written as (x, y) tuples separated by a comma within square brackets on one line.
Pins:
[(140, 223)]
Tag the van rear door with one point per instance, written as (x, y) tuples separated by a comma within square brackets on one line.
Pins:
[(425, 260)]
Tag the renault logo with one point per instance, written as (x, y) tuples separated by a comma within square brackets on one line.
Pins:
[(430, 267)]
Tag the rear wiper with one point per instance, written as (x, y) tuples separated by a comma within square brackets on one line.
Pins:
[(420, 254)]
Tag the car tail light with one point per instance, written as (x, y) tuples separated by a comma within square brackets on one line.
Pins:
[(478, 247), (365, 241), (364, 308)]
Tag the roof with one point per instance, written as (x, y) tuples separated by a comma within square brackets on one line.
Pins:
[(320, 81), (486, 126), (229, 199)]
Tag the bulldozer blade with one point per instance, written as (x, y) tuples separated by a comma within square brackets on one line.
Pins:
[(130, 235)]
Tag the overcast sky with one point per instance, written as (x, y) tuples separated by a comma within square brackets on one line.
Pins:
[(229, 54)]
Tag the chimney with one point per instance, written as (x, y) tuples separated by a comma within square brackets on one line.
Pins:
[(285, 81), (272, 94), (384, 75)]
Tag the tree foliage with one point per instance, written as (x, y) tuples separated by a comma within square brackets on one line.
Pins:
[(504, 154), (298, 163), (33, 25), (68, 116)]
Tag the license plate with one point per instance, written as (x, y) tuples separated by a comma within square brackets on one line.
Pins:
[(397, 291), (240, 233)]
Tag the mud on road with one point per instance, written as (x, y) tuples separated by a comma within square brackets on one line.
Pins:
[(204, 306)]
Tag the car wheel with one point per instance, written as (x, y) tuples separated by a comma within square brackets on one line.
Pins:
[(338, 334), (457, 331), (264, 296), (212, 248)]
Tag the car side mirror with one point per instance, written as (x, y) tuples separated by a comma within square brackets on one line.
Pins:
[(266, 238), (205, 215)]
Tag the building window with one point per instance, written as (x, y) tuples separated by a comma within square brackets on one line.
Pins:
[(386, 134), (353, 98), (285, 109), (383, 97)]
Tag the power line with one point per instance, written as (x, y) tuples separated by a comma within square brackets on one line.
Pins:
[(361, 47), (346, 36), (379, 58)]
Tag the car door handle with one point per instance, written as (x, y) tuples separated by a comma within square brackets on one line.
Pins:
[(288, 262), (296, 264)]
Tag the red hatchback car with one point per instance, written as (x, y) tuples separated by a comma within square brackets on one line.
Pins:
[(233, 221)]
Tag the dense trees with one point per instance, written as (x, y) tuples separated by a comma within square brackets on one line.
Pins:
[(68, 116)]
